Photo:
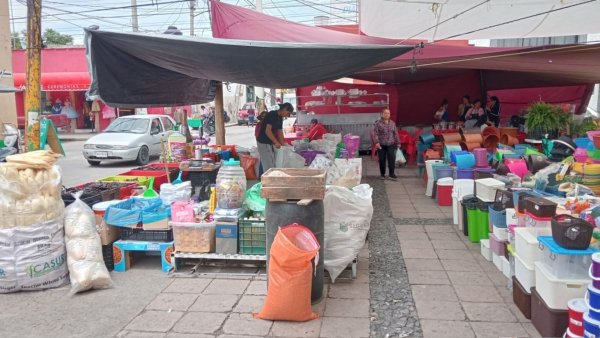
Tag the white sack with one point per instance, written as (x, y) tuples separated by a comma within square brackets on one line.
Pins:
[(346, 172), (170, 193), (33, 257), (84, 249), (400, 160), (285, 157), (347, 221)]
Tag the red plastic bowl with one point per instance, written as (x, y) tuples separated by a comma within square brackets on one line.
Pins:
[(592, 133), (597, 141)]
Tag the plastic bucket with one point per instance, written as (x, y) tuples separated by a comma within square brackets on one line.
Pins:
[(465, 161), (577, 307), (427, 138), (481, 157), (591, 327), (518, 168), (483, 221), (456, 153), (225, 154), (464, 174), (449, 149), (594, 271)]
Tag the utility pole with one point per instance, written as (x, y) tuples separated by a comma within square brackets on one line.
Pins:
[(192, 8), (33, 92), (219, 121), (134, 16)]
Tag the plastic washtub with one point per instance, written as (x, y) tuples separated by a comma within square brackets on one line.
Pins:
[(497, 217), (486, 251), (485, 188)]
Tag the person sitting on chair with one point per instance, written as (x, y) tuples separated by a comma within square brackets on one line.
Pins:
[(316, 131)]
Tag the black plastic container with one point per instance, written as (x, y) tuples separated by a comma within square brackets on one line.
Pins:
[(540, 207), (549, 322), (521, 298)]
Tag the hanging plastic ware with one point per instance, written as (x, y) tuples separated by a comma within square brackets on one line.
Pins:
[(290, 275)]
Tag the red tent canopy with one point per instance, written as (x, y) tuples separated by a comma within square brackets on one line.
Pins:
[(443, 70)]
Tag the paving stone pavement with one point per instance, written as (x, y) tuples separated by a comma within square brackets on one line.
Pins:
[(418, 276)]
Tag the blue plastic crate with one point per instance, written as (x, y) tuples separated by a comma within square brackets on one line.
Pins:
[(497, 217)]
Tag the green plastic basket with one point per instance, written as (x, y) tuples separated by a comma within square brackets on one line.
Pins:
[(252, 235)]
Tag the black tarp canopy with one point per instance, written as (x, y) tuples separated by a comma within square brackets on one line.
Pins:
[(141, 70)]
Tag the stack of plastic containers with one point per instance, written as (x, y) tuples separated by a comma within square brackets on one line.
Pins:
[(481, 157)]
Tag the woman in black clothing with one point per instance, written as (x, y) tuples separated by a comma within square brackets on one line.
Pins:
[(493, 111), (463, 108)]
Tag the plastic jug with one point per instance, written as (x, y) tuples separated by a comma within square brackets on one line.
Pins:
[(231, 185)]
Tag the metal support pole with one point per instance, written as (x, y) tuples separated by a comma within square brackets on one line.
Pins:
[(134, 15), (192, 8), (33, 99), (219, 121)]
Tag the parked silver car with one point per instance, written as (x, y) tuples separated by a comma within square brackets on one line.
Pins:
[(129, 138)]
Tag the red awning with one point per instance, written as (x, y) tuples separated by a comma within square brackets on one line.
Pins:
[(60, 81)]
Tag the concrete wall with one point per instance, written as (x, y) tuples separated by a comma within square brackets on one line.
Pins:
[(8, 110)]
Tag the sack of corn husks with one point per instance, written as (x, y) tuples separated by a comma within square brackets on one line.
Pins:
[(84, 249)]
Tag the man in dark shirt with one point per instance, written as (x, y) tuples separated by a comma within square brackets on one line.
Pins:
[(270, 136)]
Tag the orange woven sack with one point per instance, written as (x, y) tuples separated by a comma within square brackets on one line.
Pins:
[(290, 275)]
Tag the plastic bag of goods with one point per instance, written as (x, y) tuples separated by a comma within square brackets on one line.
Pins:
[(335, 138), (33, 257), (253, 200), (346, 172), (347, 221), (400, 160), (249, 165), (290, 275), (170, 193), (84, 249), (285, 157), (29, 196)]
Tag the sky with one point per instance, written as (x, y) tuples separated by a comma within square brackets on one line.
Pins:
[(71, 16)]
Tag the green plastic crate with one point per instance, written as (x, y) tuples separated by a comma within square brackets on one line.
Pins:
[(252, 235)]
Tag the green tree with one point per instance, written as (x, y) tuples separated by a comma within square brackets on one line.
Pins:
[(15, 41), (52, 37)]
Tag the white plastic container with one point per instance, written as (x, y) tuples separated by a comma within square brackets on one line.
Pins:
[(461, 188), (485, 188), (524, 273), (557, 292), (231, 185), (429, 169), (566, 266), (506, 267), (486, 251), (500, 233), (526, 246), (497, 260), (541, 226), (511, 216)]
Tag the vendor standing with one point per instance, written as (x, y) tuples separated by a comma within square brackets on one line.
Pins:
[(386, 141), (270, 136), (317, 130)]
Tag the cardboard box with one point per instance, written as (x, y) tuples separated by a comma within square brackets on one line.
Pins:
[(158, 225), (226, 234), (108, 234)]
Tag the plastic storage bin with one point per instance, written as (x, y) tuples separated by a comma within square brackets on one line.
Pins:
[(486, 251), (482, 224), (541, 226), (506, 267), (564, 263), (497, 216), (511, 216), (498, 246), (521, 298), (485, 188), (525, 273), (231, 185), (526, 246), (194, 237), (548, 321), (556, 292), (500, 233), (540, 207)]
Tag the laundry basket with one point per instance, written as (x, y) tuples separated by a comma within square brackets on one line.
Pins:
[(571, 233)]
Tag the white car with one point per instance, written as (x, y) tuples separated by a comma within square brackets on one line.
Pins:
[(129, 138)]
